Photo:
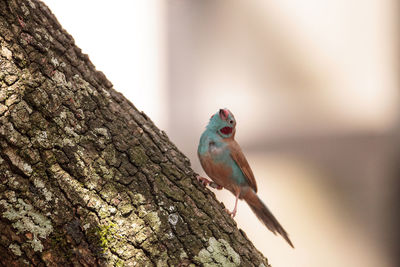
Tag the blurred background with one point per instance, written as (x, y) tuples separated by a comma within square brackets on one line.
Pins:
[(315, 91)]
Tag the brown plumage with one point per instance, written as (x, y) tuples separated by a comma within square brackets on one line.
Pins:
[(238, 156), (265, 215)]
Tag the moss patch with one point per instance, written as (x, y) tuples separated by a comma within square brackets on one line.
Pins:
[(105, 233), (104, 236)]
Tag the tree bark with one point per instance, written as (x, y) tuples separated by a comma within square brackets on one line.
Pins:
[(85, 178)]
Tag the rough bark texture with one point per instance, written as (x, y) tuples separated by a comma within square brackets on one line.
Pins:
[(87, 179)]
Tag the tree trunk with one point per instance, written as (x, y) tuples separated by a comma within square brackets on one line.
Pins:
[(87, 179)]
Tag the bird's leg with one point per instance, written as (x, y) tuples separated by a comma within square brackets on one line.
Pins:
[(233, 212), (216, 186), (204, 181)]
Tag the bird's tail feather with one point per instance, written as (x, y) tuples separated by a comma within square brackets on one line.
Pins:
[(265, 215)]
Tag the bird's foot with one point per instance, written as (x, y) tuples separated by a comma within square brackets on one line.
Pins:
[(231, 213), (216, 186), (204, 181)]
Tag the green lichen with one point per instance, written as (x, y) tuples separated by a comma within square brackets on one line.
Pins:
[(54, 61), (41, 186), (183, 255), (26, 219), (15, 248), (102, 132), (218, 253)]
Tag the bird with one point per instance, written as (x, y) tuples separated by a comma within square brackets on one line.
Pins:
[(224, 162)]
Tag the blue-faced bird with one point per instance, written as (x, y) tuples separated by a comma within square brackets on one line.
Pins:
[(224, 162)]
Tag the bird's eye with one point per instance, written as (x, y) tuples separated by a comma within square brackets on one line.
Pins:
[(231, 121)]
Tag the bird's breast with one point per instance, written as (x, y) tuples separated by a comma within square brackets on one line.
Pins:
[(217, 171), (214, 162)]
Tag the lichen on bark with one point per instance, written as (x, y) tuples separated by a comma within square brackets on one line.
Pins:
[(218, 253), (86, 178)]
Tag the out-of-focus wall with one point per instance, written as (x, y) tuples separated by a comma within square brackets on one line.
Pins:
[(313, 85), (315, 68)]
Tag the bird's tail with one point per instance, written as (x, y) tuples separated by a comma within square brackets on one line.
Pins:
[(265, 215)]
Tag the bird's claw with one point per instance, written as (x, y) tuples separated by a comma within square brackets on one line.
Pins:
[(204, 181), (231, 213), (216, 186)]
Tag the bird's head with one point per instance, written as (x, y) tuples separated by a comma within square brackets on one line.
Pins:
[(223, 123)]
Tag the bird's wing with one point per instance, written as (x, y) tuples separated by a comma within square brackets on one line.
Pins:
[(238, 156)]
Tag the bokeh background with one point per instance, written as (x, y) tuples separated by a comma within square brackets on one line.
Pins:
[(315, 91)]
